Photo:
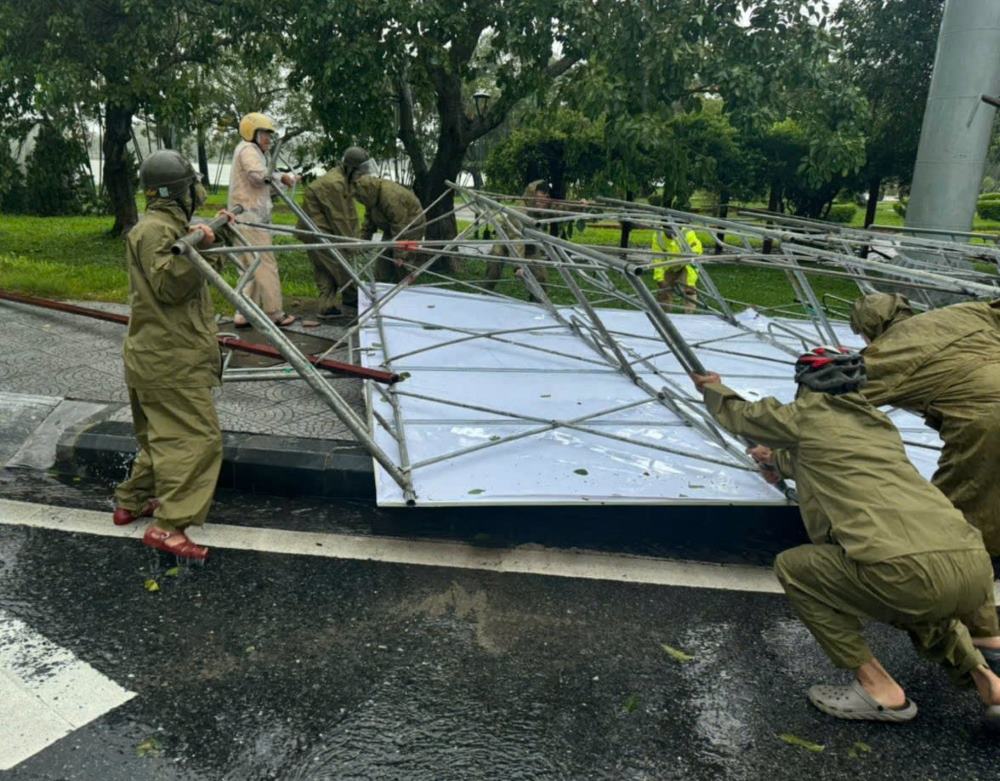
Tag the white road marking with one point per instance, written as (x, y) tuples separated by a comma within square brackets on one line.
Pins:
[(524, 559), (46, 692)]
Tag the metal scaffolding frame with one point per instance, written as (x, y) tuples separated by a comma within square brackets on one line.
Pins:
[(821, 263)]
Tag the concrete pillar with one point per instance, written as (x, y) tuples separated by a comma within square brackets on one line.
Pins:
[(955, 136)]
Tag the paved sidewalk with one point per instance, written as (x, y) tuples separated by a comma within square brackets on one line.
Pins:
[(63, 356)]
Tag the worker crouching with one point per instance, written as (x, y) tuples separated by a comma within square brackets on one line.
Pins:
[(395, 211), (172, 365), (944, 365), (886, 544)]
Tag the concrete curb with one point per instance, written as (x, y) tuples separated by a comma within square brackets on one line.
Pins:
[(255, 463)]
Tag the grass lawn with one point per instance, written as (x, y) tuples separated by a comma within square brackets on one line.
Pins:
[(75, 258)]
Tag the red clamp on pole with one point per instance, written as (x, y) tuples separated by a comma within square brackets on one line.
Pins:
[(408, 246)]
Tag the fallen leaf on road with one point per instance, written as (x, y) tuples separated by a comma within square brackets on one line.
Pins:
[(150, 746), (859, 748), (795, 740), (151, 585), (675, 653)]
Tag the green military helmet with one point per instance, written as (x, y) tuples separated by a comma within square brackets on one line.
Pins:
[(166, 174), (357, 162)]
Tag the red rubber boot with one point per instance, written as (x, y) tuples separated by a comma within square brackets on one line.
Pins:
[(176, 542)]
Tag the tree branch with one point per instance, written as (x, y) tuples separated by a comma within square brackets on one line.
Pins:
[(407, 132), (496, 113)]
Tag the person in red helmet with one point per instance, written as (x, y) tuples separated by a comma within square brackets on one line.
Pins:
[(886, 544)]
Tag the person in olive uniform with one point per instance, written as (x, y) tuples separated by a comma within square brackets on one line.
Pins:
[(945, 366), (329, 202), (396, 212), (537, 197), (172, 364), (886, 544)]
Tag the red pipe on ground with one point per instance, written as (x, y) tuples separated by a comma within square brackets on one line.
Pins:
[(335, 367)]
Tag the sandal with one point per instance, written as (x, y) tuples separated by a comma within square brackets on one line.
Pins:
[(240, 321), (176, 542), (123, 517), (284, 320), (853, 702)]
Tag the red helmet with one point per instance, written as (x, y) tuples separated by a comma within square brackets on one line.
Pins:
[(831, 370)]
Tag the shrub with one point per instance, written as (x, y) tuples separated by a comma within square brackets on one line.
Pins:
[(989, 208), (900, 207), (842, 212), (55, 175)]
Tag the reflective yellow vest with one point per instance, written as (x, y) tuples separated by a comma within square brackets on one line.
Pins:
[(670, 246)]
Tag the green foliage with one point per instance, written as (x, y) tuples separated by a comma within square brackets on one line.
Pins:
[(889, 50), (899, 207), (563, 147), (799, 173), (842, 212), (989, 208), (55, 171), (712, 155), (107, 58)]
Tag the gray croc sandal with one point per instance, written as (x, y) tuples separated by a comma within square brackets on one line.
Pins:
[(853, 702)]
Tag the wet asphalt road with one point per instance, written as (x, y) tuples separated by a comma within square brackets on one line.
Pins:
[(262, 666)]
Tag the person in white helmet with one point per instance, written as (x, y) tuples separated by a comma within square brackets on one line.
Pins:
[(250, 187)]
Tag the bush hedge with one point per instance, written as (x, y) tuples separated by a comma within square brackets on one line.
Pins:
[(988, 207), (842, 212)]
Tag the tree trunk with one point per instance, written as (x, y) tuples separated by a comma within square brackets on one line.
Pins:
[(118, 167), (773, 204), (477, 178), (203, 157), (431, 183), (723, 213), (626, 226), (874, 187)]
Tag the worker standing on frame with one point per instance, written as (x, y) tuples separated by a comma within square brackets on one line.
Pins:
[(172, 365), (329, 203), (250, 187), (886, 544), (945, 366), (395, 212), (685, 277)]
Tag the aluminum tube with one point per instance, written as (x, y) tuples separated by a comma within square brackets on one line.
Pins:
[(308, 372)]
